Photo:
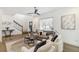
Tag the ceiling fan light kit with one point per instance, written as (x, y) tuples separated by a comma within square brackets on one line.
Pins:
[(35, 12)]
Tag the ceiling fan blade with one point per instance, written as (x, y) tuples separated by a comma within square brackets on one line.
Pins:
[(34, 7), (30, 13), (37, 13)]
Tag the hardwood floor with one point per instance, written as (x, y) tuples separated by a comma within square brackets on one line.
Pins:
[(67, 47), (9, 39), (70, 48), (14, 37), (2, 47)]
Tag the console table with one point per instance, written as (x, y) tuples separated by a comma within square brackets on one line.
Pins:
[(8, 32)]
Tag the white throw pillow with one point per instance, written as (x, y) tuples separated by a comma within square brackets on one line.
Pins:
[(52, 49)]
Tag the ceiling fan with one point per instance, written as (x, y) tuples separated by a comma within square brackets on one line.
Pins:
[(35, 11)]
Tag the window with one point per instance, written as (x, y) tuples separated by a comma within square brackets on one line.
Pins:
[(46, 24)]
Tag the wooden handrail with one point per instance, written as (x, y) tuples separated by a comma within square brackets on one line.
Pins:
[(18, 25)]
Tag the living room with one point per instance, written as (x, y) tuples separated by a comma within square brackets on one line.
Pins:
[(21, 23)]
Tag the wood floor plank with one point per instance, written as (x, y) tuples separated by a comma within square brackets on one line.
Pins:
[(2, 47), (70, 48)]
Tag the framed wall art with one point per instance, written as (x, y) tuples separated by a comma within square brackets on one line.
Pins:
[(68, 22)]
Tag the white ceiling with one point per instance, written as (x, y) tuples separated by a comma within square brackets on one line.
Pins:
[(25, 10)]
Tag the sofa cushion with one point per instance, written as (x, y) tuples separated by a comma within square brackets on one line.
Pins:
[(39, 45), (54, 38), (45, 47)]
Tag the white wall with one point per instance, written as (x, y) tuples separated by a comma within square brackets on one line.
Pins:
[(35, 21), (21, 19), (1, 25), (0, 33), (67, 35)]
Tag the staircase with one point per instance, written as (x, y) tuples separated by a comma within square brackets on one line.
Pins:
[(18, 26)]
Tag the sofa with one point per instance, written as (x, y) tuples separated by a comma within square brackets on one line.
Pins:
[(56, 46)]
